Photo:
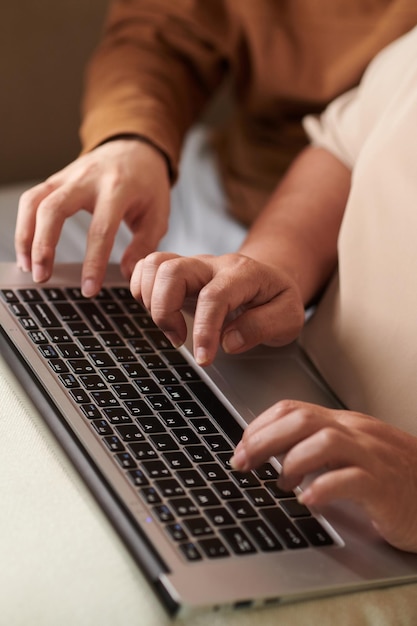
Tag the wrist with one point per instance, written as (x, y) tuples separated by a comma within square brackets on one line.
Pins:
[(149, 142)]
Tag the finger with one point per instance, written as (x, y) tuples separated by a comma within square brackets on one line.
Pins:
[(272, 437), (151, 290), (51, 214), (108, 210), (276, 323), (26, 223), (347, 483), (328, 448)]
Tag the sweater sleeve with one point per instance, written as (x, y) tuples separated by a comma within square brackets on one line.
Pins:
[(157, 66)]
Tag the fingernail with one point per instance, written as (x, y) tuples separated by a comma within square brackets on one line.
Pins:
[(239, 461), (23, 263), (232, 341), (89, 288), (201, 356), (39, 273)]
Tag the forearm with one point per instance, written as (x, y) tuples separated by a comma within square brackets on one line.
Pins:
[(152, 75), (299, 227)]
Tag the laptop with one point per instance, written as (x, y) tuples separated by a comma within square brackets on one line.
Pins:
[(151, 434)]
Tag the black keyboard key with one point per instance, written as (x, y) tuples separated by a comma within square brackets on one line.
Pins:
[(158, 339), (245, 480), (220, 516), (102, 427), (176, 531), (138, 408), (205, 497), (44, 315), (199, 454), (125, 391), (89, 344), (190, 409), (124, 355), (165, 377), (81, 366), (117, 415), (138, 478), (112, 340), (104, 398), (125, 460), (38, 337), (260, 497), (190, 552), (79, 329), (293, 508), (314, 531), (213, 548), (186, 436), (126, 327), (156, 469), (183, 507), (29, 295), (9, 295), (129, 432), (266, 472), (159, 402), (18, 310), (150, 424), (92, 381), (213, 471), (241, 509), (70, 351), (191, 478), (262, 535), (283, 526), (95, 317), (217, 410), (113, 375), (52, 294), (143, 450), (90, 411), (227, 490), (150, 495), (238, 540), (177, 460), (59, 335), (169, 487), (217, 443), (48, 351), (80, 396), (101, 359), (163, 513), (277, 492), (172, 419), (198, 526), (163, 442), (114, 444), (67, 312)]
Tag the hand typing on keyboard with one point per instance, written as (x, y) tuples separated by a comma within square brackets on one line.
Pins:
[(365, 460), (240, 302)]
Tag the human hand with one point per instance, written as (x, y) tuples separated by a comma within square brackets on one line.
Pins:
[(240, 302), (364, 460), (124, 179)]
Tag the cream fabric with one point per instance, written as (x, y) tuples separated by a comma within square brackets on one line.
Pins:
[(367, 323)]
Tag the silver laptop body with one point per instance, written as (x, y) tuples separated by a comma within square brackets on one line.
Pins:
[(240, 387)]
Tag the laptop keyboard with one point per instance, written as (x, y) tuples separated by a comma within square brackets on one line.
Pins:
[(164, 427)]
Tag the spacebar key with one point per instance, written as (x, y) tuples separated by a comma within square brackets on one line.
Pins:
[(217, 410)]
